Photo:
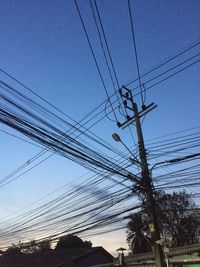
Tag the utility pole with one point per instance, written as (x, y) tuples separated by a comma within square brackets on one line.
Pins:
[(129, 104)]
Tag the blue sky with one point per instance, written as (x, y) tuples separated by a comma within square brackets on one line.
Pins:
[(43, 45)]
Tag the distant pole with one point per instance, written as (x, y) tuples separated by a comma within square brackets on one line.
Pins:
[(121, 256), (146, 177)]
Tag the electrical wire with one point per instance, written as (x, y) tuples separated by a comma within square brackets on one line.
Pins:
[(94, 57), (135, 50)]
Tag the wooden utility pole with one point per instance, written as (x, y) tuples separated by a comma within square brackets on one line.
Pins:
[(146, 177)]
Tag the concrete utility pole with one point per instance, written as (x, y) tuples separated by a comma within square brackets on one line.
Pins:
[(146, 177)]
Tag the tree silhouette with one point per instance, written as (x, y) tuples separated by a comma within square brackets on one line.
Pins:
[(35, 246), (178, 218), (71, 241)]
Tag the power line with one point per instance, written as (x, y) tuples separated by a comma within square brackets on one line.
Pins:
[(166, 61), (94, 57), (135, 50), (100, 104)]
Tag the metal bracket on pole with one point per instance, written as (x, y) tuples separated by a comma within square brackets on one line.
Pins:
[(128, 102)]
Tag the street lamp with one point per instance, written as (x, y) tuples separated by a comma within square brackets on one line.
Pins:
[(117, 138)]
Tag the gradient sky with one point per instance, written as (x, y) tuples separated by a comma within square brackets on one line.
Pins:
[(43, 45)]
